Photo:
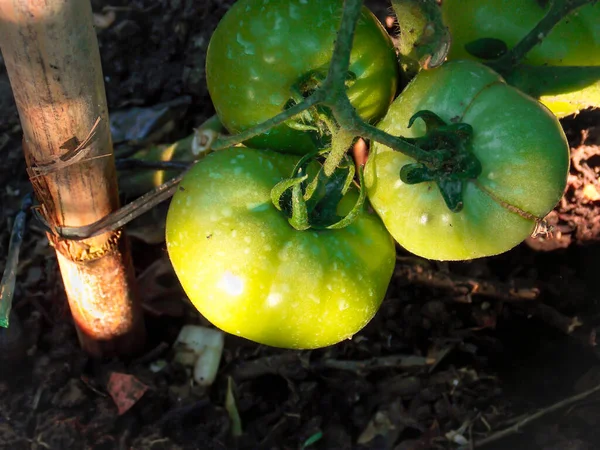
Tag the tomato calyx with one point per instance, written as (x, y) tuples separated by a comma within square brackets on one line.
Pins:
[(318, 120), (314, 79), (424, 39), (310, 202), (454, 164)]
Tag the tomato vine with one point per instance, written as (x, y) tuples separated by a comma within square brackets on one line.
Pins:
[(332, 94)]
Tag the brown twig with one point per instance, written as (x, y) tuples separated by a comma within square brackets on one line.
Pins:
[(275, 364), (271, 364), (528, 419), (416, 272), (583, 332), (382, 362), (554, 318)]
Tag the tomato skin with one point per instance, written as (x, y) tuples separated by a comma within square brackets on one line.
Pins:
[(262, 48), (520, 144), (251, 274), (575, 41)]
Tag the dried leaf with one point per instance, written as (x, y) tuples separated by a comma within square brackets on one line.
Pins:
[(125, 390)]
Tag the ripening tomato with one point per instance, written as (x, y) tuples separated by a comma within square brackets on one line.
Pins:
[(265, 53), (575, 41), (251, 274), (523, 154)]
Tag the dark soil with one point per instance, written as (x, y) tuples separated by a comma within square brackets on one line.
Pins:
[(457, 352)]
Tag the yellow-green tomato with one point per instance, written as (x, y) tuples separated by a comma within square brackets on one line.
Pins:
[(519, 143), (251, 274), (264, 53), (575, 41)]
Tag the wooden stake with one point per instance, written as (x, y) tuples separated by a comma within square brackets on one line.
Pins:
[(52, 58)]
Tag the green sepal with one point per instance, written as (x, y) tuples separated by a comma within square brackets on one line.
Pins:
[(315, 191), (336, 186), (454, 162), (431, 119), (357, 208), (299, 219), (462, 130), (452, 193), (469, 167), (313, 204), (446, 140), (279, 190), (416, 173), (341, 141), (306, 121)]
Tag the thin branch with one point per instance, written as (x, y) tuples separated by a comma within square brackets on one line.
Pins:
[(528, 419), (377, 363), (126, 214), (336, 98), (228, 141), (559, 9), (7, 286), (412, 270), (134, 163)]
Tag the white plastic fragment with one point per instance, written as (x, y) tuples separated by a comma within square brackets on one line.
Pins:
[(200, 348)]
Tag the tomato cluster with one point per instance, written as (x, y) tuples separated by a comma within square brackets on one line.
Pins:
[(271, 247)]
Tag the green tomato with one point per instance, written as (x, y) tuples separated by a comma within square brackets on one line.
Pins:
[(570, 43), (251, 274), (263, 53), (519, 143), (575, 41)]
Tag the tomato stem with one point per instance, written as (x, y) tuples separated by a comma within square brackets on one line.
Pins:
[(332, 93), (340, 60), (559, 9), (228, 141)]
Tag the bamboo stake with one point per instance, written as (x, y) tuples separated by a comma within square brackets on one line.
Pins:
[(52, 58)]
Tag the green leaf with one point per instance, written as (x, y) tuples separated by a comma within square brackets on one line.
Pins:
[(312, 440), (232, 411)]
